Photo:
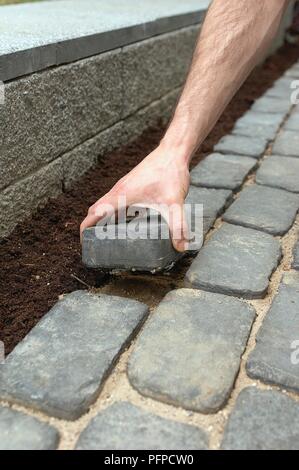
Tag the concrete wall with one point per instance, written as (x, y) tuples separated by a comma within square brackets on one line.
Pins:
[(56, 124), (61, 115)]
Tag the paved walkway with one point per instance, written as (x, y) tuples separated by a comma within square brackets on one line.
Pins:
[(214, 365)]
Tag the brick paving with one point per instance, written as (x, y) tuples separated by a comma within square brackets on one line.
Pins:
[(215, 365)]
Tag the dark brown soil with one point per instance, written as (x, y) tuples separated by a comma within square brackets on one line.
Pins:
[(39, 260)]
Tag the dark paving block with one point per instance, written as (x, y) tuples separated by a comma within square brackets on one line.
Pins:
[(60, 366), (279, 172), (242, 145), (287, 144), (124, 426), (262, 420), (188, 353), (292, 123), (268, 209), (296, 256), (148, 248), (267, 104), (19, 431), (274, 358), (222, 171), (235, 261)]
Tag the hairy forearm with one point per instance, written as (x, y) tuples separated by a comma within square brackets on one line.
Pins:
[(235, 36)]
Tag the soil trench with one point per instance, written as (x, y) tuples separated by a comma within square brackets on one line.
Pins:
[(41, 259)]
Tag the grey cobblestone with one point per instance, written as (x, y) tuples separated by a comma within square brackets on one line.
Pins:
[(268, 209), (61, 364), (279, 172), (124, 426), (287, 144), (242, 145), (19, 431), (257, 130), (292, 123), (252, 118), (262, 420), (222, 171), (296, 256), (235, 261), (214, 202), (189, 352), (272, 358), (267, 104)]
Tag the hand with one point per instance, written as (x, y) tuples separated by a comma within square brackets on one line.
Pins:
[(162, 178)]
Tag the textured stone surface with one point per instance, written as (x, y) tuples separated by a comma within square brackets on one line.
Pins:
[(271, 360), (267, 104), (189, 352), (262, 420), (258, 130), (287, 143), (79, 160), (235, 261), (252, 118), (124, 426), (162, 63), (60, 366), (50, 113), (222, 171), (148, 116), (268, 209), (296, 256), (279, 172), (22, 432), (292, 123), (18, 201), (242, 145), (293, 72), (40, 35), (146, 246), (214, 202)]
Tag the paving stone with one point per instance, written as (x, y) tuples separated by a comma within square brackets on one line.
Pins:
[(222, 171), (252, 118), (262, 208), (236, 261), (258, 130), (262, 420), (242, 145), (61, 364), (296, 256), (279, 172), (293, 72), (148, 248), (271, 359), (124, 426), (188, 353), (19, 431), (287, 143), (140, 251), (292, 123), (267, 104), (214, 202)]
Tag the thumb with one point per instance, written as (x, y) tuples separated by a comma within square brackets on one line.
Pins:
[(178, 227)]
